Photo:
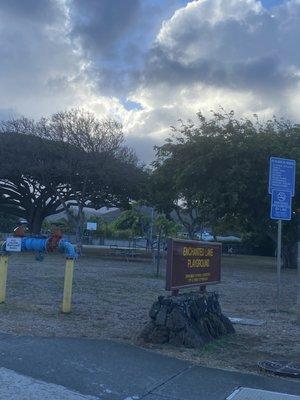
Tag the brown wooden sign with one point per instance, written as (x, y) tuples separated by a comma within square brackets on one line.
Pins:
[(192, 263)]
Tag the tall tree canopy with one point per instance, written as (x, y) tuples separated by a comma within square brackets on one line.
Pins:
[(28, 175), (74, 159), (217, 169)]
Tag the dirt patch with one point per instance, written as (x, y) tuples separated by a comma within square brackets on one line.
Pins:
[(111, 299)]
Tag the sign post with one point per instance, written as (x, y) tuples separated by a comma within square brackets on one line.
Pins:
[(278, 262), (282, 189), (298, 267)]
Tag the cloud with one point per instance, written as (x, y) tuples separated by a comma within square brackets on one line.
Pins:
[(115, 37), (148, 63), (237, 44), (99, 25), (44, 11), (236, 54), (40, 69)]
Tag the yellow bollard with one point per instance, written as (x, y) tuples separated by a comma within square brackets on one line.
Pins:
[(3, 276), (67, 299)]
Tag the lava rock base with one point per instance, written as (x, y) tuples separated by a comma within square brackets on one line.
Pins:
[(189, 319)]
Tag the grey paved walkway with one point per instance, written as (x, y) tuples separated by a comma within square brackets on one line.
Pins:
[(116, 371)]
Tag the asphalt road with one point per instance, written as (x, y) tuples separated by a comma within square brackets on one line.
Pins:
[(72, 369)]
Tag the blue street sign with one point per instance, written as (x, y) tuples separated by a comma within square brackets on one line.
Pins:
[(282, 175), (281, 205)]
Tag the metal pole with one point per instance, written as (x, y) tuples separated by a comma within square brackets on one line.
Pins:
[(279, 235), (298, 267)]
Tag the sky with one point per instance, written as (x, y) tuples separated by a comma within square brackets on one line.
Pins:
[(149, 63)]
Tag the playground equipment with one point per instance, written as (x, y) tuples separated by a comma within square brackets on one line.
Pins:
[(41, 246)]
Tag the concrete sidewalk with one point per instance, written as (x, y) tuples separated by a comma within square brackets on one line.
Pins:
[(116, 371)]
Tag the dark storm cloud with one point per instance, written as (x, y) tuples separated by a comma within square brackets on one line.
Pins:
[(107, 33), (100, 24), (243, 53), (105, 26), (116, 81), (261, 74), (116, 36)]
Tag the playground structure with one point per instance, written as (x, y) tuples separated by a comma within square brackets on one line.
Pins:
[(41, 246)]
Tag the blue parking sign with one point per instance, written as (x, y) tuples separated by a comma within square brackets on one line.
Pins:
[(281, 205), (282, 175)]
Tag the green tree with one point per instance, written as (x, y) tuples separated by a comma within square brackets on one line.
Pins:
[(89, 166), (134, 219), (217, 169), (28, 173), (108, 173), (165, 228)]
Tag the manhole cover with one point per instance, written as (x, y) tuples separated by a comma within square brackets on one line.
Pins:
[(283, 368), (257, 394)]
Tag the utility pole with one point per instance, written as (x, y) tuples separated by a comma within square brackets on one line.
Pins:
[(298, 266)]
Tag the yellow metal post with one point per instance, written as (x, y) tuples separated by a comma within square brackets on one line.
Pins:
[(67, 299), (3, 276)]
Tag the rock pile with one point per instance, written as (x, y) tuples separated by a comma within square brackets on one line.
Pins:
[(190, 319)]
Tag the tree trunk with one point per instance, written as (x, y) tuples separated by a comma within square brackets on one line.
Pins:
[(36, 226), (79, 232), (35, 221), (190, 232), (79, 229)]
